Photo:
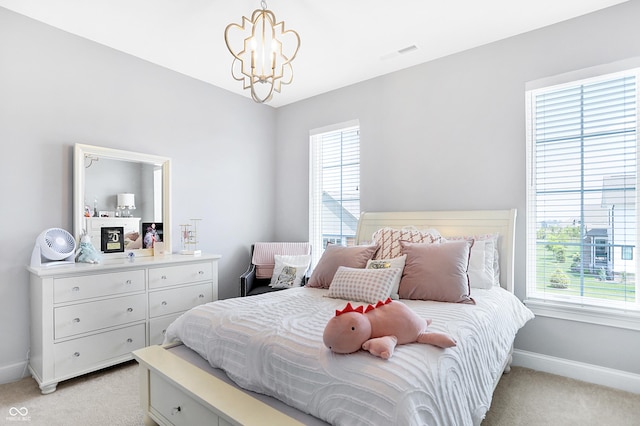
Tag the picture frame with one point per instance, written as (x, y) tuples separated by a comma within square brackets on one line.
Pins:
[(158, 249), (112, 239), (151, 232)]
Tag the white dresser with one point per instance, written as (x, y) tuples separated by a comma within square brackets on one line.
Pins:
[(86, 317)]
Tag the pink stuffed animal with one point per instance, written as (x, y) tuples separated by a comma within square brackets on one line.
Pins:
[(378, 329)]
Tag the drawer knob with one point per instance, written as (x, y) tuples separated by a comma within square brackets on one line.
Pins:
[(129, 340), (201, 296), (76, 320), (200, 272), (176, 410), (164, 303), (164, 277), (128, 282), (129, 309), (76, 354), (75, 289)]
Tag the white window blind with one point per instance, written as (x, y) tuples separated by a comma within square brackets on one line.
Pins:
[(334, 187), (582, 178)]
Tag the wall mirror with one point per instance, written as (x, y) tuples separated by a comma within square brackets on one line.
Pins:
[(122, 200)]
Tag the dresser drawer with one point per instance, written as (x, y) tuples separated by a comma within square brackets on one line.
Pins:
[(165, 302), (78, 355), (85, 317), (180, 274), (88, 286), (158, 328), (175, 406)]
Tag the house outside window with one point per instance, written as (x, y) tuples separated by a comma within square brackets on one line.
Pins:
[(334, 205), (582, 180)]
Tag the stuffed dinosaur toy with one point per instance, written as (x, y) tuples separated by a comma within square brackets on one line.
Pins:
[(378, 329), (87, 253)]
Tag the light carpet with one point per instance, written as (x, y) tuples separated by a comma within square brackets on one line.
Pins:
[(106, 397), (526, 397), (523, 397)]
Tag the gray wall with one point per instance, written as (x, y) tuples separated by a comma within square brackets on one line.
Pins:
[(450, 134), (57, 89)]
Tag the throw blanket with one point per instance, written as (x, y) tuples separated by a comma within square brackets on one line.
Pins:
[(272, 344)]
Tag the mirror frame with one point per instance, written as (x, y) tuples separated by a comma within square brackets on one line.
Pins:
[(79, 154)]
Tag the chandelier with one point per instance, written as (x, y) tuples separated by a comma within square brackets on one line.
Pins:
[(262, 52)]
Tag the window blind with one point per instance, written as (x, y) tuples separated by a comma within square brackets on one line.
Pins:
[(335, 188), (581, 192)]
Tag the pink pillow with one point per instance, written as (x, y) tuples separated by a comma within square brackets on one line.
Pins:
[(389, 240), (335, 256), (436, 272), (363, 285)]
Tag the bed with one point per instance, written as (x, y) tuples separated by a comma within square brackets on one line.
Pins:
[(261, 360)]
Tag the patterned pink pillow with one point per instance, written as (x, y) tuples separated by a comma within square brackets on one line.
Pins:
[(363, 285), (396, 262), (389, 240)]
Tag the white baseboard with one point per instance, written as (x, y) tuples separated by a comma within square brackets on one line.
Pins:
[(13, 372), (590, 373)]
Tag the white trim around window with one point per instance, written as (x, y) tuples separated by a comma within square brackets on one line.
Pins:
[(629, 320), (555, 181)]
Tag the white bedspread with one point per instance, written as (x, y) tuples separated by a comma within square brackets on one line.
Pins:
[(272, 344)]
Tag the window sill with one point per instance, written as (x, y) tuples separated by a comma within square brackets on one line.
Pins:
[(618, 318)]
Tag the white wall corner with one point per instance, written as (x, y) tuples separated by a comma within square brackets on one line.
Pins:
[(590, 373), (13, 372)]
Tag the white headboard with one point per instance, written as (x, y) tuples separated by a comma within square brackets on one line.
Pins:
[(450, 224)]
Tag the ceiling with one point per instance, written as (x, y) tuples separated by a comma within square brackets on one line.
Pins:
[(342, 41)]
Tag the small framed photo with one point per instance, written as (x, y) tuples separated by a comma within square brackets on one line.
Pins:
[(158, 249), (151, 233), (112, 240), (104, 213)]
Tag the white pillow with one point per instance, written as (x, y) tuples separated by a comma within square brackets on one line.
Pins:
[(363, 285), (396, 262), (289, 270), (481, 264)]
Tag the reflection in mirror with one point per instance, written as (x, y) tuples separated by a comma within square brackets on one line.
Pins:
[(121, 200)]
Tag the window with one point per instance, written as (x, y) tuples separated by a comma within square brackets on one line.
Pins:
[(582, 160), (334, 207)]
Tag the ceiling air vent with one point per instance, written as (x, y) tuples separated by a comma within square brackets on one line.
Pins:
[(399, 52), (408, 49)]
